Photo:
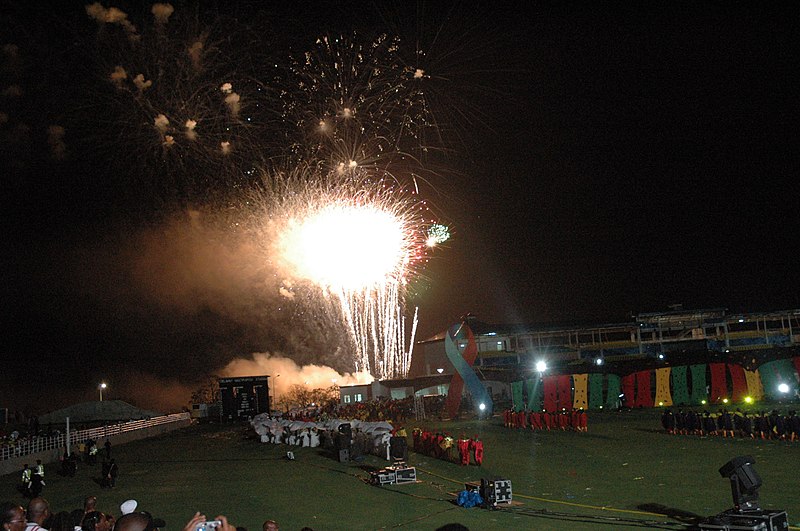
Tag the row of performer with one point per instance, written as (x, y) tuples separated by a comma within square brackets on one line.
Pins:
[(566, 420), (760, 425), (442, 446)]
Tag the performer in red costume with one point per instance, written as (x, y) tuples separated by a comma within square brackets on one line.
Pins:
[(463, 448), (477, 446)]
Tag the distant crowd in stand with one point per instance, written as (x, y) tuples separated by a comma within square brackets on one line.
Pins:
[(762, 425), (565, 420)]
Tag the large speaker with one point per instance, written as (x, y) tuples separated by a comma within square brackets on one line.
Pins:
[(494, 491), (344, 455), (346, 430), (398, 448)]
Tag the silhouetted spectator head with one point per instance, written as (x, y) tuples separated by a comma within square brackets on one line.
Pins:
[(95, 521), (138, 522), (61, 522), (38, 510), (90, 504)]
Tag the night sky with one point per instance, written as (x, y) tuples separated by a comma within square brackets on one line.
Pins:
[(597, 162)]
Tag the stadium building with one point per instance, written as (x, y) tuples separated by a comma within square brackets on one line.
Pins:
[(678, 356)]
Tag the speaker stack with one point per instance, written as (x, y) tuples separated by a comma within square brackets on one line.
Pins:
[(494, 491), (343, 442)]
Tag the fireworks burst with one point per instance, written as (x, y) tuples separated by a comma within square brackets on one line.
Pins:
[(186, 107), (437, 235), (356, 240)]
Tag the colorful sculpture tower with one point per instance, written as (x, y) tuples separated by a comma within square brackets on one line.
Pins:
[(465, 374)]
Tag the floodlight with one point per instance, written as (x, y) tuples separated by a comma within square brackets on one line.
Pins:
[(541, 366), (482, 406), (783, 388)]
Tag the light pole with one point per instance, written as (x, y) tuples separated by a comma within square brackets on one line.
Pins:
[(101, 387)]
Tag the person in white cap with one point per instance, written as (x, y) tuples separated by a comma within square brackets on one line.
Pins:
[(128, 507)]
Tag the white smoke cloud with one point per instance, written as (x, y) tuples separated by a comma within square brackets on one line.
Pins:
[(232, 101), (162, 12), (284, 373), (141, 84), (161, 123), (118, 76), (112, 15), (195, 52), (190, 133)]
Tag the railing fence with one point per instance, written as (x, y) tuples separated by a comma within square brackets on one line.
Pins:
[(39, 444)]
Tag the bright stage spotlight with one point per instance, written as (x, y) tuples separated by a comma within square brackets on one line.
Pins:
[(541, 366), (746, 513), (745, 482)]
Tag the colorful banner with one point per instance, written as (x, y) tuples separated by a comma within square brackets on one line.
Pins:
[(516, 396), (699, 392), (680, 386), (754, 387), (719, 382), (550, 396), (564, 390), (644, 398), (663, 396), (595, 391), (534, 389), (613, 391), (464, 372), (579, 398), (738, 381), (628, 389)]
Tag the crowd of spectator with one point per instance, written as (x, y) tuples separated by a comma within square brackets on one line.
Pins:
[(38, 516), (760, 425)]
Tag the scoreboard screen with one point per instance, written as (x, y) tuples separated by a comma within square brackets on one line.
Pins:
[(244, 397)]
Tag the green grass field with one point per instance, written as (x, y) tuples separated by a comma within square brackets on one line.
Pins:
[(609, 478)]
